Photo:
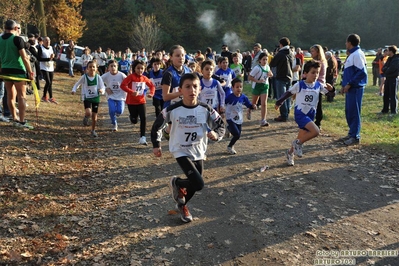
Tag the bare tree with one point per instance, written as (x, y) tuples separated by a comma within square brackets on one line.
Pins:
[(146, 33)]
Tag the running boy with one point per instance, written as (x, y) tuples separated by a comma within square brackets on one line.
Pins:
[(211, 90), (193, 123), (237, 67), (307, 96), (234, 112), (134, 85), (92, 87), (226, 73), (115, 95), (155, 76)]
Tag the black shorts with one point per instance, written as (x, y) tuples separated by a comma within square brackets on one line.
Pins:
[(93, 106)]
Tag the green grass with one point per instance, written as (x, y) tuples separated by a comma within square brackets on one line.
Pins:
[(379, 132)]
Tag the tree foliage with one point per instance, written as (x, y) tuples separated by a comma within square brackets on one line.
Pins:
[(146, 32), (64, 17), (19, 10)]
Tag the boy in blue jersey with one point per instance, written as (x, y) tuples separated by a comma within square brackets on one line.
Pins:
[(124, 65), (155, 75), (211, 90), (226, 73), (234, 112), (307, 96)]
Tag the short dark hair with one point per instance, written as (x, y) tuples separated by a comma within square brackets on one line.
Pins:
[(284, 41), (310, 64), (354, 39), (138, 62), (207, 62), (222, 58), (261, 56), (393, 49), (156, 60), (234, 81), (188, 76)]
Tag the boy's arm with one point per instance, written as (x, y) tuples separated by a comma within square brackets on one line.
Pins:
[(222, 95), (284, 97), (156, 130), (77, 84), (216, 124), (125, 85)]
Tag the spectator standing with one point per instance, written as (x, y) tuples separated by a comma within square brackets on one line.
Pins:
[(391, 72), (282, 61), (353, 84), (70, 55), (376, 68), (46, 58), (226, 53)]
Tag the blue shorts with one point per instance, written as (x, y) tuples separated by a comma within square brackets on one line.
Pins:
[(303, 119)]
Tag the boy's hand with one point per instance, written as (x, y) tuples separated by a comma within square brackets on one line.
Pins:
[(254, 106), (109, 91), (212, 135), (222, 110), (73, 93), (149, 96), (157, 152), (276, 107), (135, 93), (329, 87)]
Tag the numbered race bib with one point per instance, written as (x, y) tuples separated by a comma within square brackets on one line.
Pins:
[(190, 131), (157, 83), (139, 87), (209, 97), (123, 67), (115, 86), (91, 92)]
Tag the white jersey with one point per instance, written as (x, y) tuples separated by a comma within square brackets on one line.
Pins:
[(190, 125), (114, 83), (307, 95), (46, 53), (260, 72), (210, 89)]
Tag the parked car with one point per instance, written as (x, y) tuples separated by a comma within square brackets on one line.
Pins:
[(62, 61)]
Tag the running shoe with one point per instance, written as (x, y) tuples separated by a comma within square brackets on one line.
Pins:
[(52, 100), (185, 214), (264, 123), (94, 134), (4, 119), (297, 148), (143, 141), (290, 158), (115, 127), (86, 121), (45, 99), (23, 125), (351, 141), (231, 150), (178, 194)]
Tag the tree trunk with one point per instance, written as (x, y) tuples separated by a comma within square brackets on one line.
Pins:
[(41, 24)]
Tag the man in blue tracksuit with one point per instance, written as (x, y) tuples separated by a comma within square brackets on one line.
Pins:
[(353, 83)]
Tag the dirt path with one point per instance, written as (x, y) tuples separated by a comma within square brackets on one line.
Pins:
[(68, 199)]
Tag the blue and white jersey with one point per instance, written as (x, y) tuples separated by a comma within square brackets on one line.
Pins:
[(234, 107), (211, 92), (124, 66), (228, 75), (173, 76), (307, 96), (355, 69), (156, 78)]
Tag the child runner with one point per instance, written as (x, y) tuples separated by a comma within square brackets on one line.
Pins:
[(226, 73), (155, 75), (115, 95), (211, 90), (124, 65), (171, 78), (237, 67), (234, 113), (307, 95), (260, 86), (92, 87), (134, 85), (86, 58), (193, 123)]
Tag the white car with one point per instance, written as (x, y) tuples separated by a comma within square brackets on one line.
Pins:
[(62, 61)]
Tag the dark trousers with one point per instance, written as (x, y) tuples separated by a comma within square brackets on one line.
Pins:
[(235, 131), (157, 103), (135, 112), (193, 171), (319, 111), (48, 87), (390, 97)]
